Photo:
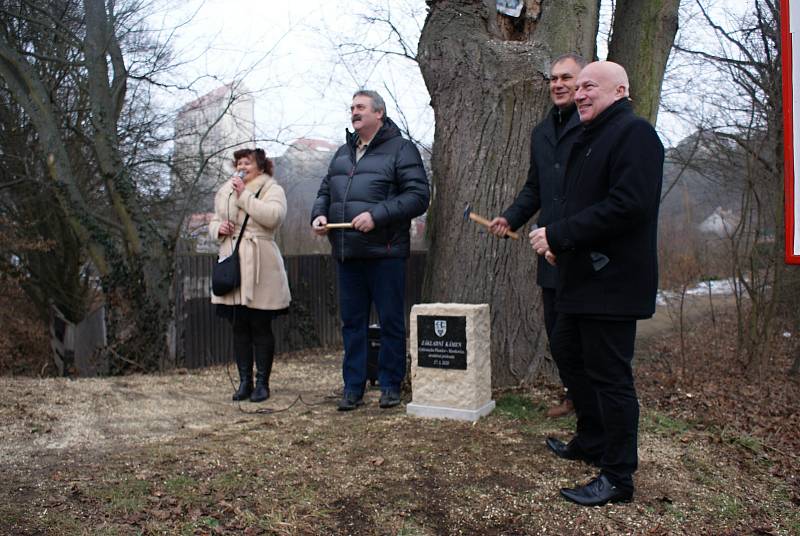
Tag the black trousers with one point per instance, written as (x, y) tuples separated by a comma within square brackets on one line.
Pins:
[(594, 359), (549, 310), (252, 328), (550, 315)]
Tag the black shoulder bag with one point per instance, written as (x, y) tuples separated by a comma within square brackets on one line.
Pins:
[(226, 275)]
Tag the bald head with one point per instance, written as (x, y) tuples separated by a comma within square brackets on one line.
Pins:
[(600, 84)]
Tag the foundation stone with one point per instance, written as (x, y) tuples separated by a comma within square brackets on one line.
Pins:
[(451, 366)]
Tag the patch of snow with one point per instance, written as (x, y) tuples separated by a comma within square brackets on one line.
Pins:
[(714, 287)]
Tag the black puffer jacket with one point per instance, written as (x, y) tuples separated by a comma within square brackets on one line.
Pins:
[(389, 182)]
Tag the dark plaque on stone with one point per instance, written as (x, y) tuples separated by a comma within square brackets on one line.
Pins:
[(442, 342)]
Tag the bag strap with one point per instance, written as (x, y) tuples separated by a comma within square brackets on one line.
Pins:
[(244, 225)]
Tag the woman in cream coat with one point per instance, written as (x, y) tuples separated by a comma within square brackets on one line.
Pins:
[(264, 291)]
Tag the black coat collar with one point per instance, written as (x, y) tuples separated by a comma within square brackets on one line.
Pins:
[(387, 131), (570, 117), (619, 107)]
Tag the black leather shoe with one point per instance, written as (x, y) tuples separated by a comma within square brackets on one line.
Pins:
[(598, 492), (568, 451), (389, 399), (350, 401)]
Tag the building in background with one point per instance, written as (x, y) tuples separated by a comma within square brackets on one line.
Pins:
[(300, 170), (207, 131)]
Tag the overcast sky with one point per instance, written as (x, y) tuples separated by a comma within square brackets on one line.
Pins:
[(290, 58), (293, 59)]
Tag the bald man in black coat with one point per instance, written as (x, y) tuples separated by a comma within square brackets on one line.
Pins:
[(604, 243)]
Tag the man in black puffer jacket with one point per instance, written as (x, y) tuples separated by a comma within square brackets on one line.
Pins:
[(376, 182)]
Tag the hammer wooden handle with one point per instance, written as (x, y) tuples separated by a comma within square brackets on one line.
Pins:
[(338, 225), (486, 223)]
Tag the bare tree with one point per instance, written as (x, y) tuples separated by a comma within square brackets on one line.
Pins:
[(76, 75), (742, 123), (641, 40), (91, 191), (39, 250), (381, 53)]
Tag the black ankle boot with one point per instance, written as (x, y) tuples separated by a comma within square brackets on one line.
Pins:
[(245, 365), (261, 392), (263, 370), (245, 389)]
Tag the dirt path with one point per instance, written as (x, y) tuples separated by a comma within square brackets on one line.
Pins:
[(171, 454), (53, 415), (695, 308), (40, 416)]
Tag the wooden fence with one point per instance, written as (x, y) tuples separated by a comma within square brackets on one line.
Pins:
[(75, 346), (203, 339)]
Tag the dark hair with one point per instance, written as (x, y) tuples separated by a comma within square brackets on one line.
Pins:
[(577, 58), (260, 157)]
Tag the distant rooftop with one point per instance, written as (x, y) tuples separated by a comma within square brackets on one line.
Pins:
[(311, 144), (211, 97)]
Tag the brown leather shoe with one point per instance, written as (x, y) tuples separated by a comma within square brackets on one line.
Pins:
[(562, 410)]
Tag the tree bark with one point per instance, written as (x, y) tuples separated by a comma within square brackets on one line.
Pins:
[(641, 40), (144, 304), (99, 44), (487, 77)]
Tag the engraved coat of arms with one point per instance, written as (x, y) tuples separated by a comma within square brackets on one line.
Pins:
[(440, 327)]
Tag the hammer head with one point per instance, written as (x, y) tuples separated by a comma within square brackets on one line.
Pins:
[(467, 211)]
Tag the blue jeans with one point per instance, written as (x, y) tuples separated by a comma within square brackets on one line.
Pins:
[(361, 283)]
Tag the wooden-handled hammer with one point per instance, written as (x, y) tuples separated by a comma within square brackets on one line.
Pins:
[(469, 215)]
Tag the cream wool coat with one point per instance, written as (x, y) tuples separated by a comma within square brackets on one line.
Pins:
[(264, 282)]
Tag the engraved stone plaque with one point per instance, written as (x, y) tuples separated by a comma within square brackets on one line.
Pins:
[(442, 342)]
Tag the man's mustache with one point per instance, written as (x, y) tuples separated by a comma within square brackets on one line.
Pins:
[(356, 117)]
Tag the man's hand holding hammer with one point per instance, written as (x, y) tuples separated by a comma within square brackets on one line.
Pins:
[(318, 225), (499, 226), (539, 243), (362, 222)]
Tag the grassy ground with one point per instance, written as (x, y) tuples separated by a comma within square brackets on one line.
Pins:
[(171, 455)]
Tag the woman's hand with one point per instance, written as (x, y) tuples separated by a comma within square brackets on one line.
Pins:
[(226, 228), (237, 184)]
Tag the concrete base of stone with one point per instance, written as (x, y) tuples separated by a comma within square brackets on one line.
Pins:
[(439, 412)]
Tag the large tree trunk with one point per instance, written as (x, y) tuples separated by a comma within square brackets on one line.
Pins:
[(139, 285), (487, 77), (641, 40)]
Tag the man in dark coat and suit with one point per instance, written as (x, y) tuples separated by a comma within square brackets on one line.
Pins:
[(375, 185), (604, 244), (551, 142)]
